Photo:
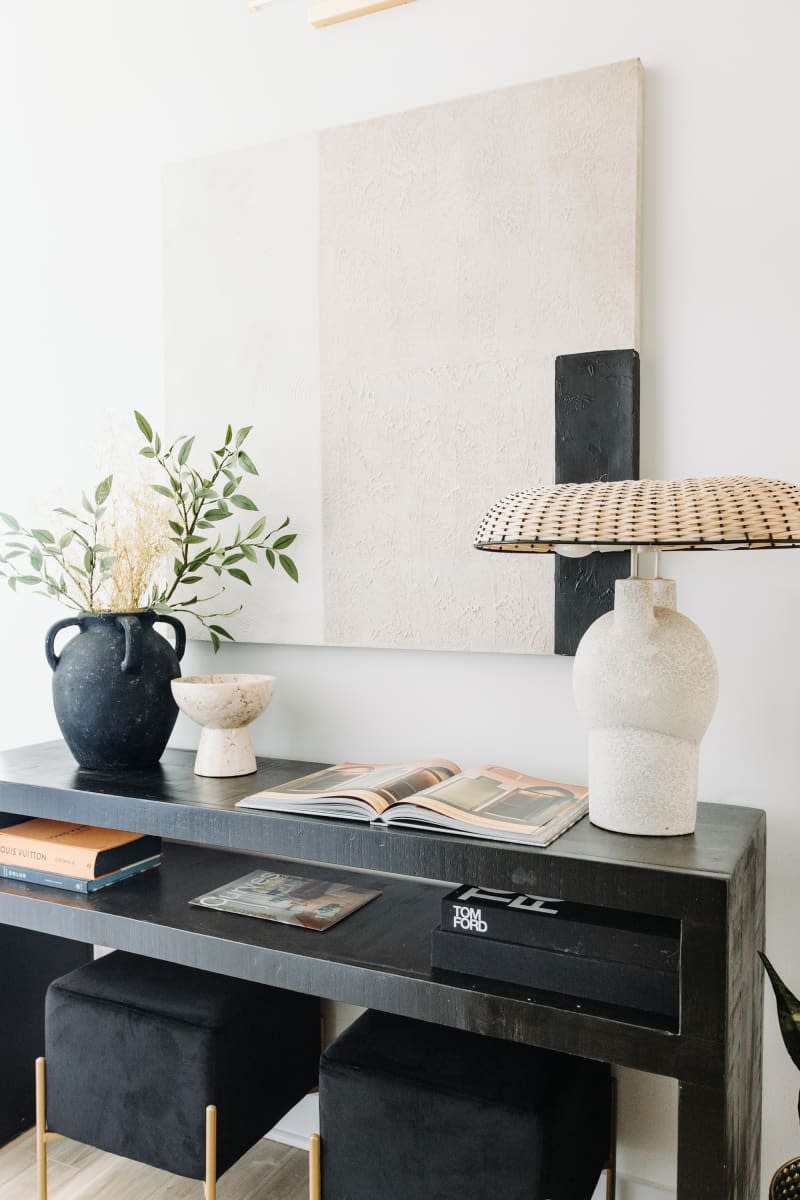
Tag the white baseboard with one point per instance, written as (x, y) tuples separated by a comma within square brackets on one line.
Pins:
[(297, 1126)]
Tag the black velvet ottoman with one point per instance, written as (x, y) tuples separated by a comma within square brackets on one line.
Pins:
[(412, 1111), (138, 1049)]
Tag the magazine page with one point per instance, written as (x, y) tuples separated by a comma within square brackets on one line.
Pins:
[(357, 791), (497, 803), (288, 899)]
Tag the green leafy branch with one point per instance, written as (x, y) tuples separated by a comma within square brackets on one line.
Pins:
[(71, 567), (203, 504)]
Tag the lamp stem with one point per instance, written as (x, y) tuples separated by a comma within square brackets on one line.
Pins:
[(634, 562)]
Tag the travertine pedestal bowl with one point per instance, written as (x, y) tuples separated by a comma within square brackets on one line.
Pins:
[(224, 705)]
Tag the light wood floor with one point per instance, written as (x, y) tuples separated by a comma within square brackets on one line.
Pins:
[(269, 1171)]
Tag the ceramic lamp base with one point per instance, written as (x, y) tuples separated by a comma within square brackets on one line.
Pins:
[(223, 753), (646, 683), (642, 782)]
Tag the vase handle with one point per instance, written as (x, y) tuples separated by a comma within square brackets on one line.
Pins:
[(132, 660), (180, 632), (49, 642)]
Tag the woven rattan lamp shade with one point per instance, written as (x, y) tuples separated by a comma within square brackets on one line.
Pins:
[(679, 514)]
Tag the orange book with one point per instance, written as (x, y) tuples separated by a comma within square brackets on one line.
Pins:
[(83, 851)]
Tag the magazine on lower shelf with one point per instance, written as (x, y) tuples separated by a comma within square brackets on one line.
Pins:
[(485, 801), (288, 899)]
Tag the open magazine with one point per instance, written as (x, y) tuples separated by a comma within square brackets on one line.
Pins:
[(486, 802)]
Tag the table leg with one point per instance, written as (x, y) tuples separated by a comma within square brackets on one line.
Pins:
[(719, 1143)]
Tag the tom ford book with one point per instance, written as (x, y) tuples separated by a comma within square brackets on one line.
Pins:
[(583, 930), (621, 984)]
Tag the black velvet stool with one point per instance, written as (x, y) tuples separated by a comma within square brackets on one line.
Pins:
[(412, 1111), (174, 1067)]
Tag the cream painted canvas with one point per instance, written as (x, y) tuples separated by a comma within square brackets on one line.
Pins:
[(384, 302)]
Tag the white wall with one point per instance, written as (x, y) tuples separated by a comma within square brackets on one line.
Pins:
[(95, 96)]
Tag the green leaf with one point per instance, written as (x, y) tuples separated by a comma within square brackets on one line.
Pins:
[(288, 566), (65, 512), (788, 1011), (257, 530), (204, 525), (246, 461), (228, 435), (193, 540), (162, 491), (103, 490), (146, 452), (87, 503), (36, 560), (107, 563), (178, 567), (215, 514), (88, 561), (244, 502), (157, 444), (66, 539), (29, 580), (12, 522), (249, 553), (270, 557), (44, 536), (238, 573), (284, 542), (242, 434), (176, 528), (144, 425), (215, 642), (229, 489), (222, 632), (191, 579), (185, 451), (12, 583), (233, 558)]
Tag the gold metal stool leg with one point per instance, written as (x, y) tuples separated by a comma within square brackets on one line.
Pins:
[(41, 1129), (611, 1166), (314, 1169), (210, 1187)]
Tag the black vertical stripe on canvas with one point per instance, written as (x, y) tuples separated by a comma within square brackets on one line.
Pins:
[(597, 437)]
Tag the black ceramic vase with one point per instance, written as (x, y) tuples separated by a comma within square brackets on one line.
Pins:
[(111, 687)]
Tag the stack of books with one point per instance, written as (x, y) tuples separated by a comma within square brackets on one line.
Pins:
[(77, 858), (620, 958)]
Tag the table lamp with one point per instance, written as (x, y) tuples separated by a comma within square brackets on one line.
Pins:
[(645, 676)]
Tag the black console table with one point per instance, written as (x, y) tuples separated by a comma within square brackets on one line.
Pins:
[(712, 882)]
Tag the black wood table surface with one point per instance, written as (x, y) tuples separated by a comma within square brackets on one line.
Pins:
[(713, 882)]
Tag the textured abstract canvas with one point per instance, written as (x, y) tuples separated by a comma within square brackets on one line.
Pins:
[(385, 302)]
